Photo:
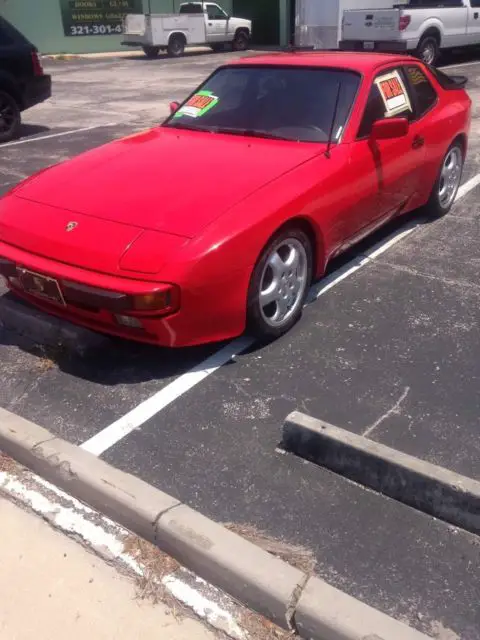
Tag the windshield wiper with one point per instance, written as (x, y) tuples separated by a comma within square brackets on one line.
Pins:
[(251, 133), (189, 127)]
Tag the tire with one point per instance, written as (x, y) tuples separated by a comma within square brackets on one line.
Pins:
[(428, 50), (444, 193), (176, 46), (241, 41), (287, 287), (10, 119), (151, 52)]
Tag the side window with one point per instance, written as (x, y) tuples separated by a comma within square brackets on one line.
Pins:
[(215, 13), (191, 8), (425, 94), (388, 98)]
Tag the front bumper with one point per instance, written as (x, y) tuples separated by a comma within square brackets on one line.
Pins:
[(37, 89), (203, 316)]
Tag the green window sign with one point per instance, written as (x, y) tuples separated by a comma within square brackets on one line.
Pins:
[(96, 17)]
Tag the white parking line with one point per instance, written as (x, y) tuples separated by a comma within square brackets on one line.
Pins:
[(112, 434), (147, 409), (56, 135), (461, 64)]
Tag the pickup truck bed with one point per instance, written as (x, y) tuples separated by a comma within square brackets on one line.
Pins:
[(422, 29)]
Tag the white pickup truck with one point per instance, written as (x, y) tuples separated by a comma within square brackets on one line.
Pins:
[(422, 27), (196, 23)]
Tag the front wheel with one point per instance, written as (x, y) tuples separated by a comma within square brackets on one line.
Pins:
[(447, 183), (9, 117), (240, 42), (279, 284)]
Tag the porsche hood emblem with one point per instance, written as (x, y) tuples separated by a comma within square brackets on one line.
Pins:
[(71, 226)]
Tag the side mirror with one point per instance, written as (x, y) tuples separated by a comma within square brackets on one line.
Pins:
[(174, 107), (389, 128)]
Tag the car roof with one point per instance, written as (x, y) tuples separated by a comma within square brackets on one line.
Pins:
[(355, 61)]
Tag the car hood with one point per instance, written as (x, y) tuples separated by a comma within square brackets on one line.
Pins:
[(165, 180)]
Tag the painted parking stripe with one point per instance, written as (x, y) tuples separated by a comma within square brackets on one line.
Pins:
[(460, 64), (147, 409), (112, 434), (468, 186), (57, 135)]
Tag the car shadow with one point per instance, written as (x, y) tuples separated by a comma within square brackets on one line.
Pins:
[(27, 130), (120, 361), (459, 56)]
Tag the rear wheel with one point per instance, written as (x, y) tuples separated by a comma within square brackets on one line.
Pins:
[(279, 284), (176, 46), (10, 119), (151, 52), (448, 182), (428, 50), (240, 42)]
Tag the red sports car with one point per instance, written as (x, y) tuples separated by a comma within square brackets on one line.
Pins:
[(218, 220)]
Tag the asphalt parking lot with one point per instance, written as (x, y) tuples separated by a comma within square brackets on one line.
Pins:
[(388, 347)]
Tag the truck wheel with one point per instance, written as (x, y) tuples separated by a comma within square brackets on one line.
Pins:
[(176, 46), (240, 42), (9, 117), (151, 52), (428, 49)]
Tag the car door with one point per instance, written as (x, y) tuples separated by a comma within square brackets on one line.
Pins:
[(474, 22), (217, 23), (386, 172)]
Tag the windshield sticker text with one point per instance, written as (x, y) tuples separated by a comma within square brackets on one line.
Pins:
[(198, 105)]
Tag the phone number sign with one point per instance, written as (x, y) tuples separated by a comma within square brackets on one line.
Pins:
[(96, 17)]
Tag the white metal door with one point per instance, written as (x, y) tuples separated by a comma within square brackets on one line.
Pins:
[(217, 23)]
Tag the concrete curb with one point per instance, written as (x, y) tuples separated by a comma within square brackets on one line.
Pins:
[(249, 574), (435, 490), (25, 321)]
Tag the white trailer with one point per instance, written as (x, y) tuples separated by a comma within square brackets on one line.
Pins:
[(318, 23), (197, 23)]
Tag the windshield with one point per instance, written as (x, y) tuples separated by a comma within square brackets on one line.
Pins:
[(289, 103)]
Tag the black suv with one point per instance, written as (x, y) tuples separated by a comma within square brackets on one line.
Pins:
[(22, 81)]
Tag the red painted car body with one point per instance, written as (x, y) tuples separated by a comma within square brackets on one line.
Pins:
[(167, 225)]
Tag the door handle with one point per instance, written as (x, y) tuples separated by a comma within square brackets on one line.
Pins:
[(475, 15), (418, 142)]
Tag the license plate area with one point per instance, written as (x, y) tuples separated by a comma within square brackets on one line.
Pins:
[(40, 286), (369, 46)]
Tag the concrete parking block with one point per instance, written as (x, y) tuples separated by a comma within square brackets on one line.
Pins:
[(256, 578), (122, 497), (325, 613), (435, 490)]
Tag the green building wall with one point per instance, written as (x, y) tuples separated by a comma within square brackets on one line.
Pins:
[(41, 22)]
